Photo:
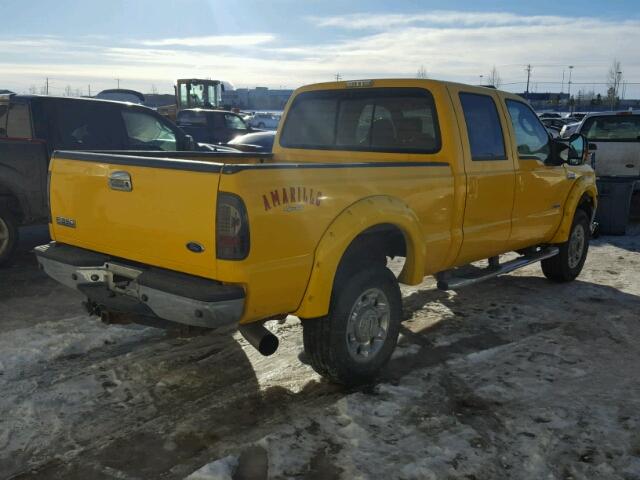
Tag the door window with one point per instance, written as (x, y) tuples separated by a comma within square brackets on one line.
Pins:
[(145, 132), (531, 136), (618, 128), (234, 122), (483, 127), (15, 120)]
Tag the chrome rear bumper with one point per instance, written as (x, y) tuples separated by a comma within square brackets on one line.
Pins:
[(120, 286)]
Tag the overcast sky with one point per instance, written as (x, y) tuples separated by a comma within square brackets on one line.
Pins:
[(283, 43)]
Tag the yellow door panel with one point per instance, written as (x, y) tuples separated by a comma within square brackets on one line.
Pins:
[(490, 180)]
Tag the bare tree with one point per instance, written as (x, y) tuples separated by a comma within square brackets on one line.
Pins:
[(154, 89), (33, 89), (68, 92), (422, 72), (494, 78), (614, 79)]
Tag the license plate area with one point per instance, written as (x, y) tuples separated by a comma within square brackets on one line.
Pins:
[(117, 278)]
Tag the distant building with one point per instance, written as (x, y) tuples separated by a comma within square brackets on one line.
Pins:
[(259, 98)]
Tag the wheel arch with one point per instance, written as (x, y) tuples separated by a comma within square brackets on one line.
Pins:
[(583, 195), (11, 200), (374, 219)]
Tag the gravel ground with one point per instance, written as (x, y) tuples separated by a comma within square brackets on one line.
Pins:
[(513, 378)]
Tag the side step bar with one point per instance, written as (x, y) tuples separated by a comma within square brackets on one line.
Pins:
[(447, 281)]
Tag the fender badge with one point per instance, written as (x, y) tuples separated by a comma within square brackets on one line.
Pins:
[(66, 222), (195, 247)]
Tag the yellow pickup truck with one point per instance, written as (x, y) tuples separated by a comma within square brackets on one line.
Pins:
[(440, 173)]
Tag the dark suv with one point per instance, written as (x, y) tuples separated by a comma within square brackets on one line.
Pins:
[(32, 127), (212, 126)]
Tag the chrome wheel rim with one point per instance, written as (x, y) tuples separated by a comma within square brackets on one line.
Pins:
[(4, 236), (576, 246), (368, 325)]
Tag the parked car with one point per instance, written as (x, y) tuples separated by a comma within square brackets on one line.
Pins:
[(555, 125), (122, 95), (212, 126), (569, 129), (440, 173), (614, 137), (264, 120), (549, 115), (32, 127), (254, 142)]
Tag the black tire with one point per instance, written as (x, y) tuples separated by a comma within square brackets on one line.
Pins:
[(565, 266), (8, 235), (326, 339)]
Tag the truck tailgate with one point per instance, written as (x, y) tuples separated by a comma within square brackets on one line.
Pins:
[(155, 211)]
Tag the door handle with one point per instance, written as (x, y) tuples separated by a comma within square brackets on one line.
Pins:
[(571, 175), (120, 180)]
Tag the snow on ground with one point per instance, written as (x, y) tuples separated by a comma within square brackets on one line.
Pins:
[(513, 378)]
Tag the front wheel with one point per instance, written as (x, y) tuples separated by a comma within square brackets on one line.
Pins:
[(567, 265), (355, 340)]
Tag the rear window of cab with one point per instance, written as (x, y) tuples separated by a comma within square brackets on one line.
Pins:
[(402, 120)]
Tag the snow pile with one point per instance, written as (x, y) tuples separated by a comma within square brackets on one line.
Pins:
[(23, 349)]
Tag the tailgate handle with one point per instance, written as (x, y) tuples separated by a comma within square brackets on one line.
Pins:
[(120, 181)]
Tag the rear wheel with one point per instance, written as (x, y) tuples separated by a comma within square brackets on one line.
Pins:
[(567, 265), (8, 235), (355, 340)]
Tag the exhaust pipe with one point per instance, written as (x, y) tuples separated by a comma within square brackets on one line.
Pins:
[(260, 338)]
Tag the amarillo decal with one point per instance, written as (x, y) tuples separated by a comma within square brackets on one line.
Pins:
[(289, 196)]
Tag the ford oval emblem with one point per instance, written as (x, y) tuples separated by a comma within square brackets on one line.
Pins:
[(195, 247)]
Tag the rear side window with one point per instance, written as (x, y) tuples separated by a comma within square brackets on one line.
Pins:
[(382, 120), (614, 128), (483, 127), (87, 125), (146, 132), (531, 136), (15, 120)]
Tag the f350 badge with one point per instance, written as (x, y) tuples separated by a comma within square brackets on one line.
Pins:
[(292, 198)]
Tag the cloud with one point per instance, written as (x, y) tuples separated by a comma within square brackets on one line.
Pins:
[(451, 45), (435, 18), (212, 41)]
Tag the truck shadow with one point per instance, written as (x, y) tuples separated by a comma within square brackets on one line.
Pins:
[(167, 404), (501, 311), (630, 241)]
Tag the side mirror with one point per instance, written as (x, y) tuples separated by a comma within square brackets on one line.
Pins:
[(569, 150), (577, 149)]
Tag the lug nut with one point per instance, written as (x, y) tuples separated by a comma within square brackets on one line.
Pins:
[(144, 298), (198, 313), (95, 277), (74, 276)]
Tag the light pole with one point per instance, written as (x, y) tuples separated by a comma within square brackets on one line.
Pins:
[(570, 70)]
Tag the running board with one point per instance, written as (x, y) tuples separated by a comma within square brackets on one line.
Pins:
[(447, 281)]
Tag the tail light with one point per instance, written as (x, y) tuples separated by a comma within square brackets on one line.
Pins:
[(232, 228)]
